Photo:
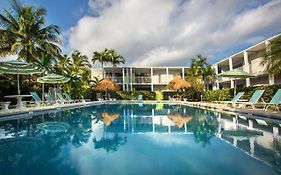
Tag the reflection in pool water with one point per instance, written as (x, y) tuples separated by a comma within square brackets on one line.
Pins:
[(140, 139)]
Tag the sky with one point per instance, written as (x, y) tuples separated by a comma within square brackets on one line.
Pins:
[(162, 32)]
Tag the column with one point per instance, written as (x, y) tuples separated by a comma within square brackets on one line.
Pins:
[(167, 74), (246, 67), (271, 79), (151, 74), (216, 86), (131, 78), (182, 73), (128, 79), (270, 76), (231, 68), (123, 78)]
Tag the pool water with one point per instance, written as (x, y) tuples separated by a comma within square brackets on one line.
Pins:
[(142, 139)]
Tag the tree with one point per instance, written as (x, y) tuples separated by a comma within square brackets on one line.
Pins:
[(76, 67), (272, 57), (101, 57), (201, 70), (115, 59), (23, 32)]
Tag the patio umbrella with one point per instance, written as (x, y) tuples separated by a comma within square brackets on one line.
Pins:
[(18, 68), (178, 83), (53, 79), (235, 73), (179, 120), (106, 84)]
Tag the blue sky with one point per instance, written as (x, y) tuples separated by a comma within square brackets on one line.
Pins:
[(162, 33)]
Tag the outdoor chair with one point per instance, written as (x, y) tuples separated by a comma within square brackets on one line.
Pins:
[(36, 98), (275, 101), (69, 99), (140, 97), (99, 98), (49, 98), (253, 100), (60, 98), (234, 99)]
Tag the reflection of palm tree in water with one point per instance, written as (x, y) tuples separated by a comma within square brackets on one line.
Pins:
[(204, 128), (110, 144)]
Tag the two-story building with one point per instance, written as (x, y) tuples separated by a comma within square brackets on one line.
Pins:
[(249, 60), (143, 78)]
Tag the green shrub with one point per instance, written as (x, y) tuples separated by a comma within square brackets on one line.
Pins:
[(158, 95)]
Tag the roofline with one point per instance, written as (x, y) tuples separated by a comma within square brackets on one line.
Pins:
[(269, 39), (149, 67)]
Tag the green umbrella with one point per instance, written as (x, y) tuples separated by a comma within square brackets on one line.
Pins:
[(53, 79), (18, 68), (236, 73)]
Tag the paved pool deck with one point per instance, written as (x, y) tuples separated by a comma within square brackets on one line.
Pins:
[(29, 112)]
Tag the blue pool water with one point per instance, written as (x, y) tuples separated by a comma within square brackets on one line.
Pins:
[(139, 139)]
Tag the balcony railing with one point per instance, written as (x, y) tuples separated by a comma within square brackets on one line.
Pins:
[(141, 80)]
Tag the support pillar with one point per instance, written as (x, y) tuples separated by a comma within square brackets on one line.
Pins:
[(123, 78), (247, 67), (231, 68), (182, 73), (151, 73), (131, 78)]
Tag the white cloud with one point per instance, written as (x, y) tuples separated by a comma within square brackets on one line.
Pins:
[(170, 32)]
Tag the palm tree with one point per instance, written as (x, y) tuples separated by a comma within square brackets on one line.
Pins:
[(101, 57), (77, 69), (272, 57), (23, 32), (201, 69), (115, 59), (45, 63)]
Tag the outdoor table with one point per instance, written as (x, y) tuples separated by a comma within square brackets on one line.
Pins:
[(19, 100)]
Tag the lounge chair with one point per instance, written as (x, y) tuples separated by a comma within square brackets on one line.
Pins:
[(69, 99), (253, 100), (49, 99), (99, 98), (234, 99), (36, 98), (140, 97), (275, 101), (61, 99)]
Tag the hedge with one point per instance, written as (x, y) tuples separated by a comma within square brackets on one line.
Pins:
[(227, 94)]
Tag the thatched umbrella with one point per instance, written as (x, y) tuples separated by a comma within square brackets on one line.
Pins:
[(106, 84), (179, 120), (177, 83), (109, 118)]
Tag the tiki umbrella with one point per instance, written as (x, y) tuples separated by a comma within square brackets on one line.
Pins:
[(109, 118), (179, 120), (177, 83), (18, 68), (53, 79), (235, 73), (106, 84)]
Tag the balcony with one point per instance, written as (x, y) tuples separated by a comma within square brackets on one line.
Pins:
[(141, 80), (117, 79)]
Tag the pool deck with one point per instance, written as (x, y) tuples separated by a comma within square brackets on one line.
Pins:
[(28, 112)]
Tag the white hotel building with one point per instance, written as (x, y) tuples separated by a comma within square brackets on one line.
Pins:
[(156, 78)]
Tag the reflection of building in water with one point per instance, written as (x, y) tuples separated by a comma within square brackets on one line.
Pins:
[(258, 138)]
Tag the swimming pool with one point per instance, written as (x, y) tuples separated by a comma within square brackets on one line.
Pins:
[(140, 139)]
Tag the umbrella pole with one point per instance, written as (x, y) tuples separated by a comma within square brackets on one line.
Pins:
[(43, 92), (18, 79)]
